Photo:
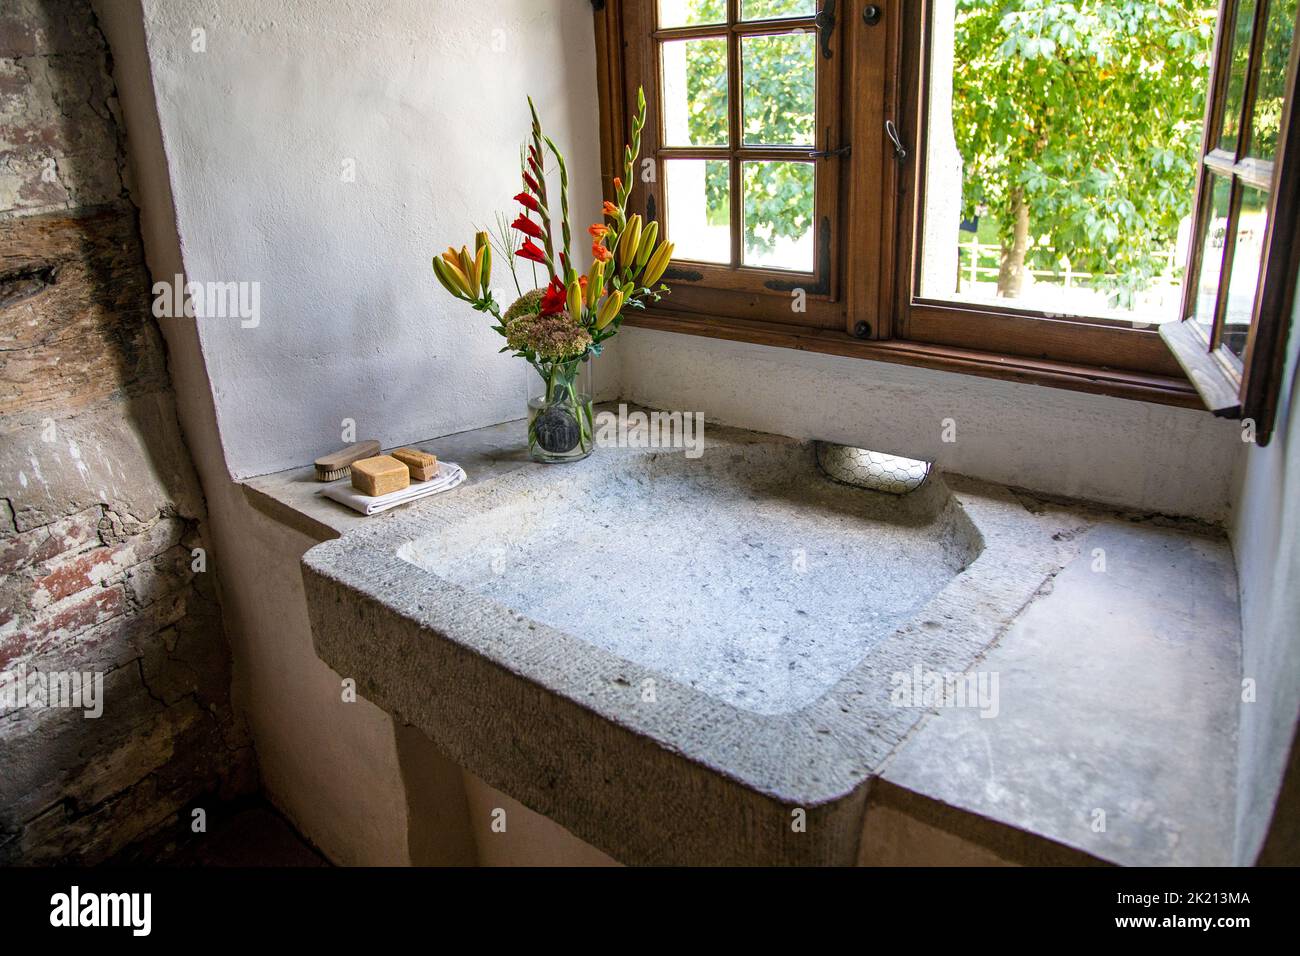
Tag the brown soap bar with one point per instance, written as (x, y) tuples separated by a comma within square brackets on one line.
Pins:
[(380, 475), (422, 465)]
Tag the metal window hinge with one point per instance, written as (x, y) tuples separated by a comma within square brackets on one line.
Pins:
[(825, 21)]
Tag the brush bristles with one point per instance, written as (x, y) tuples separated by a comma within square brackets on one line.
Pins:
[(334, 474)]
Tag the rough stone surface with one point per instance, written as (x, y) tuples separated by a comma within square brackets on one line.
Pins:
[(566, 726), (59, 136), (100, 509), (764, 608), (1116, 731)]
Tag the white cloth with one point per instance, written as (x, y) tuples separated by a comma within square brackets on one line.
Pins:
[(449, 476)]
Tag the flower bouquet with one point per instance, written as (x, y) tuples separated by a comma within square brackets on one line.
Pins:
[(563, 323)]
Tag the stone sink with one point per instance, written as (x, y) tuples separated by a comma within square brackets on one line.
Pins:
[(679, 660)]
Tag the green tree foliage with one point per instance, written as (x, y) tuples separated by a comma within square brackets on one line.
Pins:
[(778, 101), (1079, 125), (1272, 79)]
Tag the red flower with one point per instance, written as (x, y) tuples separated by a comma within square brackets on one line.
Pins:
[(530, 251), (527, 227), (531, 183), (528, 201), (555, 299)]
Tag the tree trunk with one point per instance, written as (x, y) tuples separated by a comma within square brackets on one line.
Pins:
[(1011, 271)]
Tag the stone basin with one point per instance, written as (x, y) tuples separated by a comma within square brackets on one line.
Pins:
[(753, 579), (680, 660)]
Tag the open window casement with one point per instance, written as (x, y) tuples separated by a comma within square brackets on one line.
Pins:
[(1241, 269)]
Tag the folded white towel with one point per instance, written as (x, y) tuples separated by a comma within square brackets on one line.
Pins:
[(449, 476)]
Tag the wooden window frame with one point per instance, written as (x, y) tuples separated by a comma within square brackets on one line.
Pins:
[(1100, 343), (730, 290), (870, 311), (1245, 388)]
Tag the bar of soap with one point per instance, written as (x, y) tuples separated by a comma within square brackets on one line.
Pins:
[(380, 475), (421, 464)]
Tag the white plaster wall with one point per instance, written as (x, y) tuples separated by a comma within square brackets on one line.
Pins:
[(1266, 540), (1116, 451), (428, 99), (348, 299)]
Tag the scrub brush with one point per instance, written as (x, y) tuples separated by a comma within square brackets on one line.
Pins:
[(338, 464)]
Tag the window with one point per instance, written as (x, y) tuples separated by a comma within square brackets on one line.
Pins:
[(742, 99), (1016, 189), (1241, 266)]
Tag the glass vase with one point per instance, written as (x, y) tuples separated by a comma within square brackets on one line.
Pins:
[(560, 420)]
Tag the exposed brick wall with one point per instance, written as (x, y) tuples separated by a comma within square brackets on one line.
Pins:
[(100, 508)]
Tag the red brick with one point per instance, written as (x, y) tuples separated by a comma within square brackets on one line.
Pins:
[(44, 544), (76, 613), (67, 576), (67, 617)]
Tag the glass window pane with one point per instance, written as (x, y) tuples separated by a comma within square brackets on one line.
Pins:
[(779, 89), (699, 208), (1238, 71), (1252, 221), (1062, 156), (779, 215), (689, 13), (1266, 119), (695, 92), (1212, 243), (773, 9)]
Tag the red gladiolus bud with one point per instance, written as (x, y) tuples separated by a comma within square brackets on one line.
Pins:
[(528, 201), (530, 251), (527, 227), (530, 183)]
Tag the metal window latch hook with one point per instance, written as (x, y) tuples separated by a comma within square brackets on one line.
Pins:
[(828, 153), (825, 23), (900, 151)]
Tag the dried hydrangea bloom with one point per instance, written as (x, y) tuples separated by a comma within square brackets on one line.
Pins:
[(551, 337), (530, 303)]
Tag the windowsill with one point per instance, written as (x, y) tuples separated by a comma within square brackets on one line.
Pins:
[(1160, 389), (1217, 389)]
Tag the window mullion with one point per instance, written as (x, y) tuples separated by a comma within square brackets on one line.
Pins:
[(734, 130)]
